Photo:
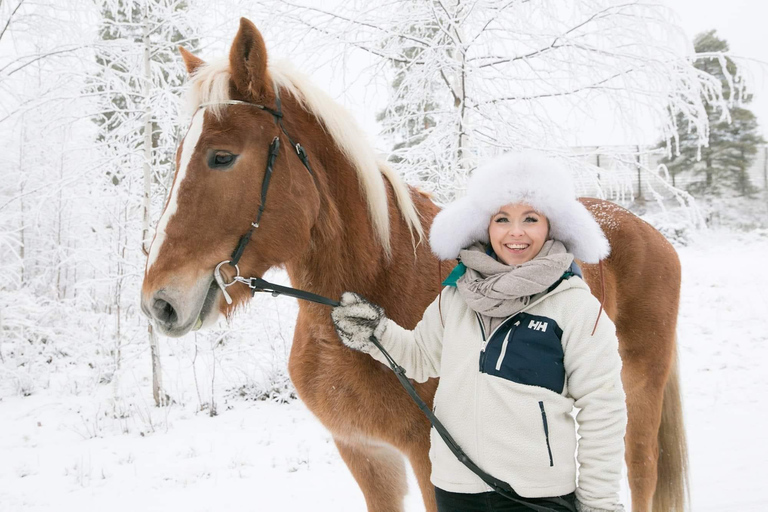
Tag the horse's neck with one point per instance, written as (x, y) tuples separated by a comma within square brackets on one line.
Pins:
[(344, 252)]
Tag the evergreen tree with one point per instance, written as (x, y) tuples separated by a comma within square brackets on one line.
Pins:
[(723, 164)]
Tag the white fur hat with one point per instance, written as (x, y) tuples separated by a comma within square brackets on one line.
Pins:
[(519, 178)]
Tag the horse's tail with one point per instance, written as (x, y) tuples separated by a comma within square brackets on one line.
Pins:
[(672, 484)]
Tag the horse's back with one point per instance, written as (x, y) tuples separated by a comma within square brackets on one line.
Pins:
[(642, 273)]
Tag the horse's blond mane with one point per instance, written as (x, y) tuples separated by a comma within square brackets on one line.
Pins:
[(210, 85)]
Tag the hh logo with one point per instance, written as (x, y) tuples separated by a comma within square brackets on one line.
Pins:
[(538, 326)]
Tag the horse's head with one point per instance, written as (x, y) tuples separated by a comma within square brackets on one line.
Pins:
[(216, 193)]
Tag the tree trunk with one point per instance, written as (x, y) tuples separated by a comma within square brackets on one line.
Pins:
[(458, 89), (640, 177), (122, 243), (157, 375), (765, 172), (161, 399), (60, 294), (743, 174), (147, 145), (22, 230)]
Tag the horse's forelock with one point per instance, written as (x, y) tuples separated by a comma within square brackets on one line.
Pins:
[(209, 85)]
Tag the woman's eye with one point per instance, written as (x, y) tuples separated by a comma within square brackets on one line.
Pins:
[(221, 160), (531, 219), (502, 219)]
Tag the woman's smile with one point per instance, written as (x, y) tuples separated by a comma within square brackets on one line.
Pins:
[(517, 248), (517, 233)]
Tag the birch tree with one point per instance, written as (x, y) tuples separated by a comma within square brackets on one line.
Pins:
[(498, 75), (138, 82)]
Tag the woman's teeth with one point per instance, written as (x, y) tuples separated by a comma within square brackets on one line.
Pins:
[(516, 247)]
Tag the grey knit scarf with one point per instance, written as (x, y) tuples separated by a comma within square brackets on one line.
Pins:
[(495, 289)]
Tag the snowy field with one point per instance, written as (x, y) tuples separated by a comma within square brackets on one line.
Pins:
[(63, 450)]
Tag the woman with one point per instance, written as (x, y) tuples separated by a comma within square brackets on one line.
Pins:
[(517, 340)]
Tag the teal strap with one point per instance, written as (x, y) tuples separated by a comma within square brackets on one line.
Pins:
[(455, 274), (566, 275)]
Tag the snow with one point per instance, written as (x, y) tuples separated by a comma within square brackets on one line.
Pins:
[(66, 450), (724, 341)]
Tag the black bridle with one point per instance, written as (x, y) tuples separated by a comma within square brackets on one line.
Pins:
[(257, 284)]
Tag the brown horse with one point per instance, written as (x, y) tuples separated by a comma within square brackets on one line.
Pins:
[(351, 224)]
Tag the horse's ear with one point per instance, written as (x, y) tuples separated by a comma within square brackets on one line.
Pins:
[(192, 62), (248, 61)]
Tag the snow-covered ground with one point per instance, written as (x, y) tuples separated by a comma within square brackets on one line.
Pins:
[(62, 450)]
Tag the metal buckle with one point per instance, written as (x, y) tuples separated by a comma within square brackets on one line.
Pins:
[(220, 280), (257, 284)]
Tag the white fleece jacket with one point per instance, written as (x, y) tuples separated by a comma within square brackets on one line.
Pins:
[(520, 433)]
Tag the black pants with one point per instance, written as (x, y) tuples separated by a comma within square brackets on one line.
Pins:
[(490, 502)]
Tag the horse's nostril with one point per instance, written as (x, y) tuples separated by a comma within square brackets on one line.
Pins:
[(164, 312)]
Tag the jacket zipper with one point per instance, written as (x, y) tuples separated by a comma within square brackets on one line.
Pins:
[(546, 432), (486, 339), (510, 334)]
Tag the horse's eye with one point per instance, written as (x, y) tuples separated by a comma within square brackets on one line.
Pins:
[(221, 160)]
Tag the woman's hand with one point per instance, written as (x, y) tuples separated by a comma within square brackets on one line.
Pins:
[(356, 320)]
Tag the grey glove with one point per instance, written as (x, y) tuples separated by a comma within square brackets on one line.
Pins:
[(356, 320), (580, 507)]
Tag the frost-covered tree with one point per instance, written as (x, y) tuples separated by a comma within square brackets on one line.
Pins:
[(70, 234), (503, 75), (47, 228), (137, 82), (138, 79), (37, 129), (407, 128), (722, 162)]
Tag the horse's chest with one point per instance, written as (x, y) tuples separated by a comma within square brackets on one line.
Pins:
[(347, 391)]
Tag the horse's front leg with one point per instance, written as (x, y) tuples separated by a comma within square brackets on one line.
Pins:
[(379, 470)]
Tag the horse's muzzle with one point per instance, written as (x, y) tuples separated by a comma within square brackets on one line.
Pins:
[(175, 311)]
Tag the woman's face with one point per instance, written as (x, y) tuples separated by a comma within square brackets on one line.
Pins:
[(517, 233)]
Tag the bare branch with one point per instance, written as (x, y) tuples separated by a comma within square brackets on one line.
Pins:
[(10, 17)]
